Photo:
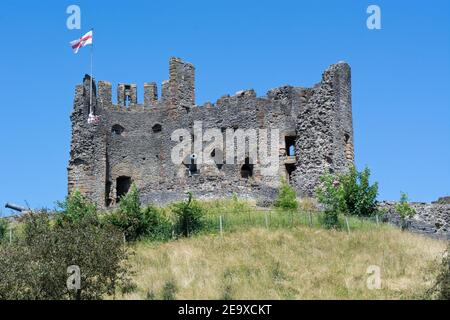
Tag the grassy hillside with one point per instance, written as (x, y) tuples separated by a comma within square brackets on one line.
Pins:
[(221, 249), (296, 262)]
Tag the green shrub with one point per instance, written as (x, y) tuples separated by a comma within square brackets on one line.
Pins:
[(76, 207), (349, 193), (4, 226), (287, 197), (130, 203), (155, 224), (35, 266), (237, 205), (443, 280), (189, 216), (441, 287), (35, 225), (169, 290), (137, 223), (329, 219), (404, 209)]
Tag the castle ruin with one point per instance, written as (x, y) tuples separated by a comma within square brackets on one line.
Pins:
[(132, 141)]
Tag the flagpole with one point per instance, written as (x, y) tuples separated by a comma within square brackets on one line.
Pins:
[(92, 74)]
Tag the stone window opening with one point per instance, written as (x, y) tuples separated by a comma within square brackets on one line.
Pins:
[(290, 168), (247, 169), (193, 168), (218, 158), (127, 98), (290, 145), (78, 162), (117, 129), (157, 128), (123, 184)]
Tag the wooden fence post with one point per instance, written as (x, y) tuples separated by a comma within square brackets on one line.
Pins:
[(267, 220), (348, 226), (221, 226)]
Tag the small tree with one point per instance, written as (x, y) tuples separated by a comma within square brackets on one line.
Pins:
[(287, 197), (404, 209), (189, 215), (358, 195), (35, 265), (330, 195), (348, 193)]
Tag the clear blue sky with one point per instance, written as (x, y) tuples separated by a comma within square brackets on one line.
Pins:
[(401, 76)]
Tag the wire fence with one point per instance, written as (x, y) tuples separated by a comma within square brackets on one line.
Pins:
[(231, 221), (240, 219)]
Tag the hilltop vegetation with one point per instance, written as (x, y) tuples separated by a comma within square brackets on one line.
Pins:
[(223, 249)]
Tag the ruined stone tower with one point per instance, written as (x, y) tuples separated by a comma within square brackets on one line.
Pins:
[(134, 142)]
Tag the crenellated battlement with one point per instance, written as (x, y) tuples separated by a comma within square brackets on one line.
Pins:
[(177, 92)]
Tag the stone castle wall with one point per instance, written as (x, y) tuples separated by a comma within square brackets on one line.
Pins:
[(133, 141), (431, 219)]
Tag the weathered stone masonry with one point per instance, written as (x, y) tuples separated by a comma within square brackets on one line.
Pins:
[(431, 219), (132, 142)]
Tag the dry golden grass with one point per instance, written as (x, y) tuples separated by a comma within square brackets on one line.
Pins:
[(292, 263)]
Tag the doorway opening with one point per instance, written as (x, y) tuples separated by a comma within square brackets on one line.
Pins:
[(290, 168), (123, 185)]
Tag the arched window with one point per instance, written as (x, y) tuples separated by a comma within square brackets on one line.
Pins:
[(157, 128), (217, 156), (117, 129), (247, 169)]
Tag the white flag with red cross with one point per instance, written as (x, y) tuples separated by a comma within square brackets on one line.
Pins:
[(82, 42)]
